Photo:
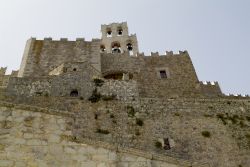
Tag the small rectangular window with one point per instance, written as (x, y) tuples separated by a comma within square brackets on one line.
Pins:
[(163, 74)]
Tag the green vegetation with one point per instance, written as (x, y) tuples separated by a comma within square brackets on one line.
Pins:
[(95, 97), (2, 147), (130, 111), (108, 97), (158, 144), (211, 107), (248, 118), (206, 134), (102, 131), (137, 133), (177, 114), (221, 117), (112, 116), (234, 119), (248, 139), (28, 121), (139, 122), (6, 124), (69, 138), (208, 115), (98, 82), (242, 124)]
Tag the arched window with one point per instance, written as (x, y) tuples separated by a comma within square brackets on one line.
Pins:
[(129, 47), (109, 32), (119, 31), (102, 49), (116, 47), (74, 93)]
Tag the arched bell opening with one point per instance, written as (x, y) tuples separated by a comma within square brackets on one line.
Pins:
[(116, 47), (109, 32), (119, 31), (102, 49), (130, 48)]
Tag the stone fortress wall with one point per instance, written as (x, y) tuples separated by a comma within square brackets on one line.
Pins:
[(101, 103), (181, 77), (42, 56), (4, 79), (38, 139), (212, 132), (2, 75), (63, 87), (210, 88)]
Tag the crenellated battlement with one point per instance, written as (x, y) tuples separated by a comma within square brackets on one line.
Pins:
[(237, 95), (64, 39), (210, 88), (4, 79), (167, 53), (115, 55), (3, 70), (210, 83)]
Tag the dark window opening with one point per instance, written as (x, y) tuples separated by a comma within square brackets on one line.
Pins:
[(74, 69), (163, 74), (116, 76), (74, 93), (166, 144), (116, 48)]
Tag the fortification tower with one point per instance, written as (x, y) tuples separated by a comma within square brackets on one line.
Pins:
[(116, 39), (3, 70)]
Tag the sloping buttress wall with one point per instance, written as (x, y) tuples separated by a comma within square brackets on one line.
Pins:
[(36, 139)]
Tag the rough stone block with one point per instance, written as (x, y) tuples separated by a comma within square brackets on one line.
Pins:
[(88, 164), (53, 138), (6, 163)]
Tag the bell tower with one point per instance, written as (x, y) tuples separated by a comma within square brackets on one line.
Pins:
[(116, 39)]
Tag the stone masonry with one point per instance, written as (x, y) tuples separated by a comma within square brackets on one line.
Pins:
[(102, 103)]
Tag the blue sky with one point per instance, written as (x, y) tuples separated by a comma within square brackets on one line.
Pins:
[(216, 33)]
